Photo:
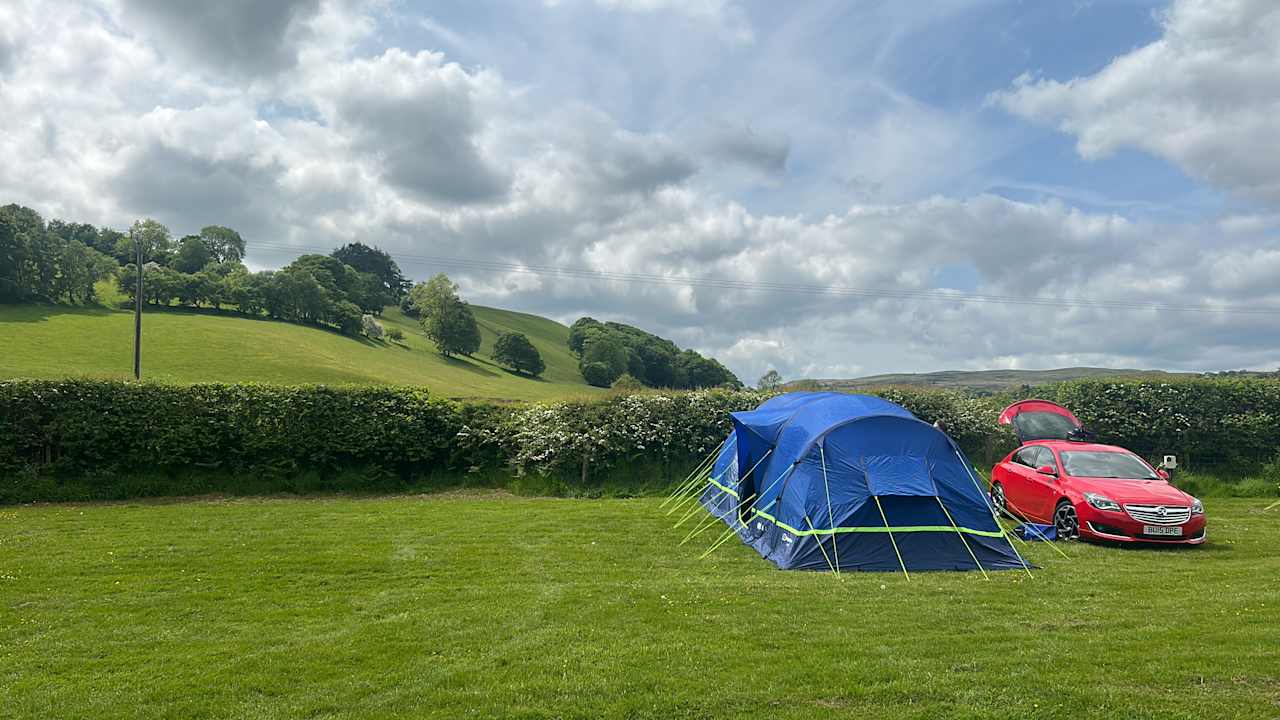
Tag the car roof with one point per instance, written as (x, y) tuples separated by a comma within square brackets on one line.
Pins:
[(1072, 445)]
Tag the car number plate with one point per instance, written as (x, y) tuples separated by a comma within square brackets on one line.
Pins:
[(1174, 530)]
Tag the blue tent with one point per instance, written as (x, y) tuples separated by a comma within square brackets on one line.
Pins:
[(817, 480)]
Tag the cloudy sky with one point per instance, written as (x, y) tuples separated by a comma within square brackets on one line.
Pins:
[(828, 188)]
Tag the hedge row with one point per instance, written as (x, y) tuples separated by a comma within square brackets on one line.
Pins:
[(87, 439)]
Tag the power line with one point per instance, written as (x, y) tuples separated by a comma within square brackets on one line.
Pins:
[(571, 272)]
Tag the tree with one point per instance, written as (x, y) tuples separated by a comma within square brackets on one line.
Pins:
[(372, 328), (580, 330), (598, 374), (193, 255), (608, 351), (80, 267), (370, 294), (347, 316), (22, 254), (453, 328), (225, 244), (627, 382), (372, 260), (428, 297), (771, 380), (654, 361), (157, 243), (516, 352)]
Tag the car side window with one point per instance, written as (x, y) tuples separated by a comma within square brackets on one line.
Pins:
[(1045, 457), (1026, 456)]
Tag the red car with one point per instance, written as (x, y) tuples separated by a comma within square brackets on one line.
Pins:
[(1087, 490)]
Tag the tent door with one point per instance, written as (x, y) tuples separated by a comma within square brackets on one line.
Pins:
[(747, 492)]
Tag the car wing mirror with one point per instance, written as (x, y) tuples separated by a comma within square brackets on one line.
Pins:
[(1164, 474), (1046, 470)]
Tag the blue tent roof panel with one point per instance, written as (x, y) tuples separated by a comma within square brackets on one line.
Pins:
[(850, 470)]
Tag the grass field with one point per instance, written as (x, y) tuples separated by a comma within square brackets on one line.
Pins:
[(185, 346), (485, 605)]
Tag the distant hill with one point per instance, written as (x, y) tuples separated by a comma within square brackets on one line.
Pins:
[(984, 381), (189, 346)]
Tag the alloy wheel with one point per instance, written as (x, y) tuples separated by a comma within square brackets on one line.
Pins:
[(997, 497), (1066, 522)]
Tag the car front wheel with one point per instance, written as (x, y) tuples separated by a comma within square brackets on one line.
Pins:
[(1066, 522), (997, 498)]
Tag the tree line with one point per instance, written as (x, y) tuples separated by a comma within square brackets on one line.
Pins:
[(61, 261), (609, 352)]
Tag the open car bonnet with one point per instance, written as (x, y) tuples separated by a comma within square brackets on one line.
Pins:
[(1041, 420)]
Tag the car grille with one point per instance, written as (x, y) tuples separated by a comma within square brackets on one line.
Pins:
[(1159, 514)]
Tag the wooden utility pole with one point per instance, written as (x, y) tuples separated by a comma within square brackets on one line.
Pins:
[(137, 316)]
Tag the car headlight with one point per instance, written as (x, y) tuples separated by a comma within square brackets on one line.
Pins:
[(1197, 507), (1101, 502)]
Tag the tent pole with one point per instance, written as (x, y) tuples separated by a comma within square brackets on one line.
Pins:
[(683, 486), (831, 518), (702, 526), (824, 550), (693, 510), (986, 500), (699, 474), (961, 535), (772, 502), (891, 540), (1042, 536), (775, 482), (695, 494), (687, 485)]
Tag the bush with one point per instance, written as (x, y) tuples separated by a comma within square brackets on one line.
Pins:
[(95, 435), (395, 334), (82, 439), (627, 382), (371, 327)]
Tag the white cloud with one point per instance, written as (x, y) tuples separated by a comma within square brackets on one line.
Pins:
[(418, 120), (1205, 96), (426, 157)]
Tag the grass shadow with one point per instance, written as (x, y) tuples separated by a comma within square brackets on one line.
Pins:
[(42, 312), (1208, 546), (508, 371), (467, 365)]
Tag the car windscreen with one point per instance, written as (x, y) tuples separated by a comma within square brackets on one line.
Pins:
[(1043, 426), (1082, 463)]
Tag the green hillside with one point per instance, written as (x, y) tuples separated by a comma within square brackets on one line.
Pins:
[(184, 346), (989, 381)]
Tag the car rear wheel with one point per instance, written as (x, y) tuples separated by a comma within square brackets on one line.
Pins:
[(997, 498), (1066, 522)]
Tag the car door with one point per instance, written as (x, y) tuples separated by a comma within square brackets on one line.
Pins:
[(1042, 490), (1018, 482)]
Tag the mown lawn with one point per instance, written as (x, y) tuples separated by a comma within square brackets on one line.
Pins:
[(486, 605)]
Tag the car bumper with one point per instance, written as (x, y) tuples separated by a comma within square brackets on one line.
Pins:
[(1119, 527)]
